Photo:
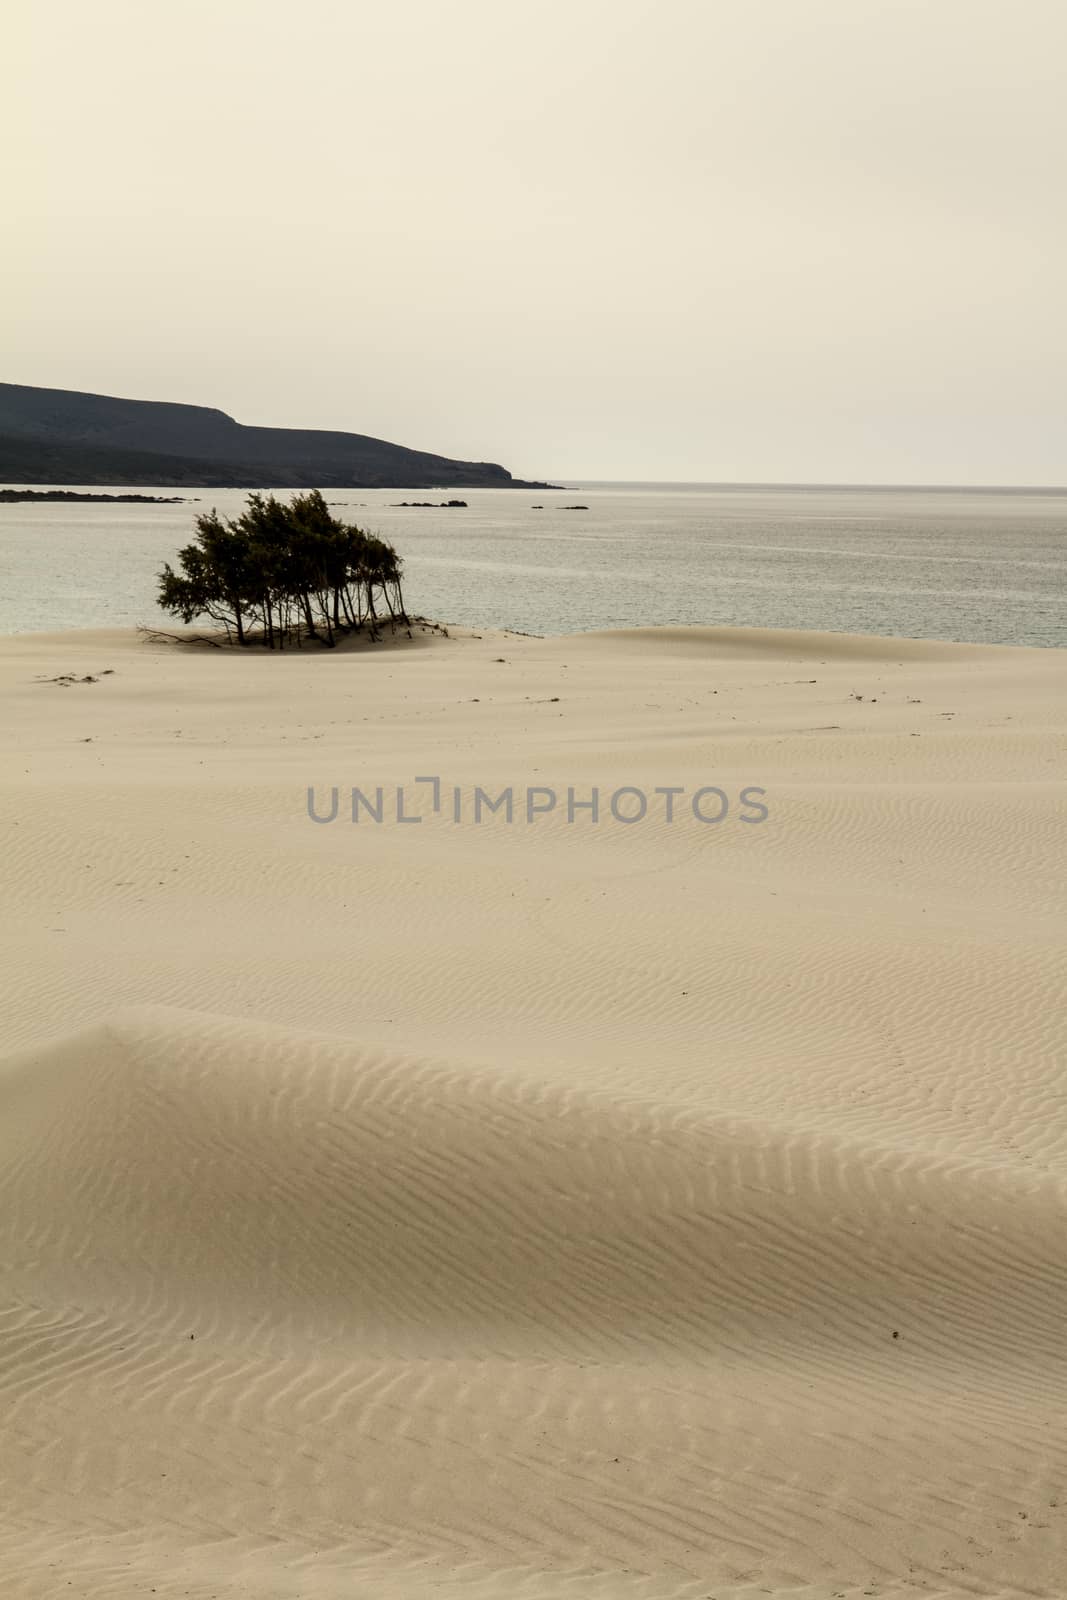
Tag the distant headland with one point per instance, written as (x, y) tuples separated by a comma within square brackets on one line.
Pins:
[(66, 437)]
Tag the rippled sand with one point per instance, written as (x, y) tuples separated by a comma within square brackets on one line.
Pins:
[(549, 1209)]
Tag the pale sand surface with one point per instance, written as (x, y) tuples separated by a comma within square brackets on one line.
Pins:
[(452, 1210)]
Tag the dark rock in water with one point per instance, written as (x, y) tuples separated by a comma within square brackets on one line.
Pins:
[(574, 508), (19, 496), (427, 504)]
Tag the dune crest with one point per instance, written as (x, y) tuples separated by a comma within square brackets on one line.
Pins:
[(793, 643)]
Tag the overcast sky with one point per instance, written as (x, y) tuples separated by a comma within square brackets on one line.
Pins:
[(803, 240)]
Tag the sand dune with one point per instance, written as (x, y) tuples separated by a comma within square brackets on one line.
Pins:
[(792, 643), (536, 1208)]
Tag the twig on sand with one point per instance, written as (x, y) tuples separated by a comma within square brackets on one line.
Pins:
[(159, 636), (67, 678)]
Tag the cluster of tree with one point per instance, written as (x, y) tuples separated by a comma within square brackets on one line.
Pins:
[(281, 573)]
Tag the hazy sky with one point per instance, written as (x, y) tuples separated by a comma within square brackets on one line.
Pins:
[(698, 239)]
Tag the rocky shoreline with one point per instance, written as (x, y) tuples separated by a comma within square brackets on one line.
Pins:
[(20, 496)]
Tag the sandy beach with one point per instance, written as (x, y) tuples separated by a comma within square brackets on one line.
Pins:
[(551, 1208)]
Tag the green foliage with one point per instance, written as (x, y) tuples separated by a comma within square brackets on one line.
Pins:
[(279, 574)]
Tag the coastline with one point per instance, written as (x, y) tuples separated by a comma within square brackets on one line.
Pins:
[(757, 640), (570, 1206)]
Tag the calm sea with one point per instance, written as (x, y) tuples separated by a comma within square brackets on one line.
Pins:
[(940, 564)]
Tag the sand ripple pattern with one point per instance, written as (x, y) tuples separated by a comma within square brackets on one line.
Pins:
[(665, 1214)]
